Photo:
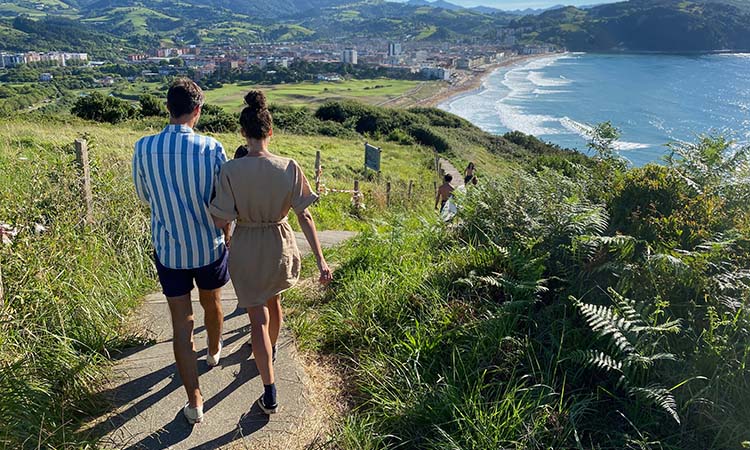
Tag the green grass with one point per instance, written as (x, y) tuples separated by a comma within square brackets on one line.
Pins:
[(137, 17), (314, 93), (68, 289)]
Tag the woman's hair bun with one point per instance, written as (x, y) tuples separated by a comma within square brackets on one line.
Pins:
[(256, 100)]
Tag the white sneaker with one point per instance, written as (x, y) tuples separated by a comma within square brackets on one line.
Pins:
[(213, 360), (193, 415)]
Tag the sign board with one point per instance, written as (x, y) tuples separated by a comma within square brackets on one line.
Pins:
[(372, 157)]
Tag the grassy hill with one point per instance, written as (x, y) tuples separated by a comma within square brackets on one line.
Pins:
[(644, 25)]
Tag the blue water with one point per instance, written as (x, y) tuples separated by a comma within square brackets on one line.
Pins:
[(653, 99)]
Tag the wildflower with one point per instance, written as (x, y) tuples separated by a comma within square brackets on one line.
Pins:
[(7, 233)]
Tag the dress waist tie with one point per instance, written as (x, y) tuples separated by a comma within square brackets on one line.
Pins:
[(261, 224)]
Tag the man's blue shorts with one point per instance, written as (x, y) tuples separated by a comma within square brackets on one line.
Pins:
[(179, 282)]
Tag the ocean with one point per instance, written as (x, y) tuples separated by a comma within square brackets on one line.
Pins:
[(653, 99)]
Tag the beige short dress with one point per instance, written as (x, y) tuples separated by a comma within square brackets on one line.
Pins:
[(259, 191)]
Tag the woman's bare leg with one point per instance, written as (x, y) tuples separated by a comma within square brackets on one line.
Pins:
[(259, 323), (276, 318)]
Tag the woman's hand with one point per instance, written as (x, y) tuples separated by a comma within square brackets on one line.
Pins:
[(326, 276)]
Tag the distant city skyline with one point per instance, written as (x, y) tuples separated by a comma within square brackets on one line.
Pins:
[(523, 4)]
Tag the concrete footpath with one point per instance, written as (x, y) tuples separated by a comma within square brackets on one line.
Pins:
[(147, 396), (447, 168)]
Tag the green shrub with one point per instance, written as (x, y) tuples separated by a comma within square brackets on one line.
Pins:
[(152, 106), (101, 108), (401, 137), (657, 205), (439, 118), (214, 119), (429, 137)]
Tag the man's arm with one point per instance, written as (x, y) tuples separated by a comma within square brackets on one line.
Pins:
[(139, 178)]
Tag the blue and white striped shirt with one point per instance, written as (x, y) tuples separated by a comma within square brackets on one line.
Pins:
[(174, 172)]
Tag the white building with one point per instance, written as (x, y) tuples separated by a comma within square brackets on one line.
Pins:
[(394, 49), (349, 56), (436, 73)]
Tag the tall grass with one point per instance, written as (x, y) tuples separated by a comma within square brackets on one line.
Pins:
[(67, 286), (536, 322)]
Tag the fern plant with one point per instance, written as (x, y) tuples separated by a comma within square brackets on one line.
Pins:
[(631, 349)]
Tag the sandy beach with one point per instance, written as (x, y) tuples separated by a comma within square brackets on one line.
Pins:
[(472, 80)]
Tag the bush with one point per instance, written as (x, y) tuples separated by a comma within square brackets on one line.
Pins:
[(429, 137), (101, 108), (214, 119), (658, 206), (151, 106), (439, 118), (401, 137)]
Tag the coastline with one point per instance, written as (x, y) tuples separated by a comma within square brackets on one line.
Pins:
[(473, 80)]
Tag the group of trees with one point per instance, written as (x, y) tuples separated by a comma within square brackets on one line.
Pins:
[(105, 108)]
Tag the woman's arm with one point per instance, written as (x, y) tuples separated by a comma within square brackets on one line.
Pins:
[(307, 224)]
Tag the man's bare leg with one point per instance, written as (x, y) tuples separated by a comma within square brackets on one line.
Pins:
[(214, 317), (276, 318), (182, 343)]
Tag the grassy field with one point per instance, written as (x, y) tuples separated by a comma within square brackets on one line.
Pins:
[(315, 93)]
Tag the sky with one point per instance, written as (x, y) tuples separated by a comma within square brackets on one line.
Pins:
[(522, 4)]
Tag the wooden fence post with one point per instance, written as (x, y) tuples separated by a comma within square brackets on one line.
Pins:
[(317, 171), (356, 195), (82, 158), (434, 187), (388, 194), (411, 186), (2, 291)]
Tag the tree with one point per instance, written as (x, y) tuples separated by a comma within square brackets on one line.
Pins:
[(215, 120), (151, 106), (101, 108)]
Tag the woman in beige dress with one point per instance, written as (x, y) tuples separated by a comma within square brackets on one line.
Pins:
[(258, 190)]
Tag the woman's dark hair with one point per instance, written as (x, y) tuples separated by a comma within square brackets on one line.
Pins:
[(256, 120)]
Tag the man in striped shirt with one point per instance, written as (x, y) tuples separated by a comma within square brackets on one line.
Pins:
[(174, 172)]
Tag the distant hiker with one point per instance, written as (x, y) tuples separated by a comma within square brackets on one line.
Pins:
[(469, 174), (174, 172), (445, 192), (258, 190)]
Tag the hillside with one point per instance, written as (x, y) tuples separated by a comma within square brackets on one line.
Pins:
[(105, 25), (644, 25), (69, 287)]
